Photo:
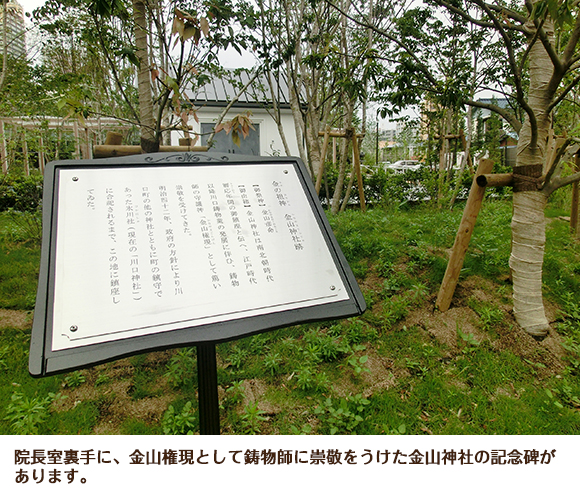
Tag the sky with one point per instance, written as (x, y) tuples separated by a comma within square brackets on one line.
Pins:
[(30, 5)]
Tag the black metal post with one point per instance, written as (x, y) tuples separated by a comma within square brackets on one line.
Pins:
[(209, 412)]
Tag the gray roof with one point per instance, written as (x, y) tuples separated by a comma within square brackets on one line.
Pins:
[(221, 90), (502, 102)]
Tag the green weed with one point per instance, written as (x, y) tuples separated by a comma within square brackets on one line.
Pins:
[(252, 417), (273, 363), (26, 415), (181, 367), (302, 431), (180, 422), (468, 338), (75, 379), (342, 415), (4, 358), (237, 357), (356, 362), (102, 379), (308, 380), (235, 392)]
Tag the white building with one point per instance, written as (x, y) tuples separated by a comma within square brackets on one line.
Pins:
[(264, 139), (15, 30)]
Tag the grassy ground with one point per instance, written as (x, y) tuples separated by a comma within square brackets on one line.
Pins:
[(401, 368)]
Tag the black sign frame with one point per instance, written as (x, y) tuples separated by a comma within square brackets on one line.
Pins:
[(43, 361)]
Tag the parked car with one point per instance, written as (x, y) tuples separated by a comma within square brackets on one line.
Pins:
[(403, 166)]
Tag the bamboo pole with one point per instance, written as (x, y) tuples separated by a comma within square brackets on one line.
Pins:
[(495, 180), (357, 169), (25, 153), (77, 141), (3, 155), (337, 133), (41, 161), (58, 142), (87, 147), (462, 239)]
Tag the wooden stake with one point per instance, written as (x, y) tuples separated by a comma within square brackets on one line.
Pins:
[(357, 169), (41, 161), (495, 180), (322, 160), (87, 150), (25, 153), (77, 142), (58, 141), (113, 139), (3, 157), (462, 239)]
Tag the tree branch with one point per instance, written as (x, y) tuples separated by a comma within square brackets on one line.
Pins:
[(484, 24), (561, 182), (564, 143), (568, 54), (564, 93), (230, 104), (515, 70), (516, 16), (504, 113)]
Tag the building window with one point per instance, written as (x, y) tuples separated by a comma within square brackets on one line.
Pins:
[(223, 142)]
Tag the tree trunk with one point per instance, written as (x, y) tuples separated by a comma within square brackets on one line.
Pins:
[(528, 222), (149, 138)]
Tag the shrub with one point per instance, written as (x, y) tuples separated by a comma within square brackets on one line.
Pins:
[(21, 193)]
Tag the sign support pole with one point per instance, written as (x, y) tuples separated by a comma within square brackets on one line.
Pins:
[(209, 412)]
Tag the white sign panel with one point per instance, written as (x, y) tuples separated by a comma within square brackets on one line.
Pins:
[(142, 250)]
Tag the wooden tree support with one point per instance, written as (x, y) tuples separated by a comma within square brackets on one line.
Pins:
[(107, 151), (326, 135), (494, 180), (113, 139), (346, 134), (3, 151), (338, 133), (463, 237), (358, 172)]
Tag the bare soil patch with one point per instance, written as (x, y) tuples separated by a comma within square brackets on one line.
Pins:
[(15, 319)]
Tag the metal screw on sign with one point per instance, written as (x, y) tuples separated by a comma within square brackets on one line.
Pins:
[(74, 328), (75, 179)]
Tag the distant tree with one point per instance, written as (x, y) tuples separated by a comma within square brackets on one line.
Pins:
[(172, 46)]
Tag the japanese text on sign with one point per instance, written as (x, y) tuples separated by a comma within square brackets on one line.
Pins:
[(144, 250)]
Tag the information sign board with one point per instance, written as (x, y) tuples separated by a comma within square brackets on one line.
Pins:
[(155, 251)]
